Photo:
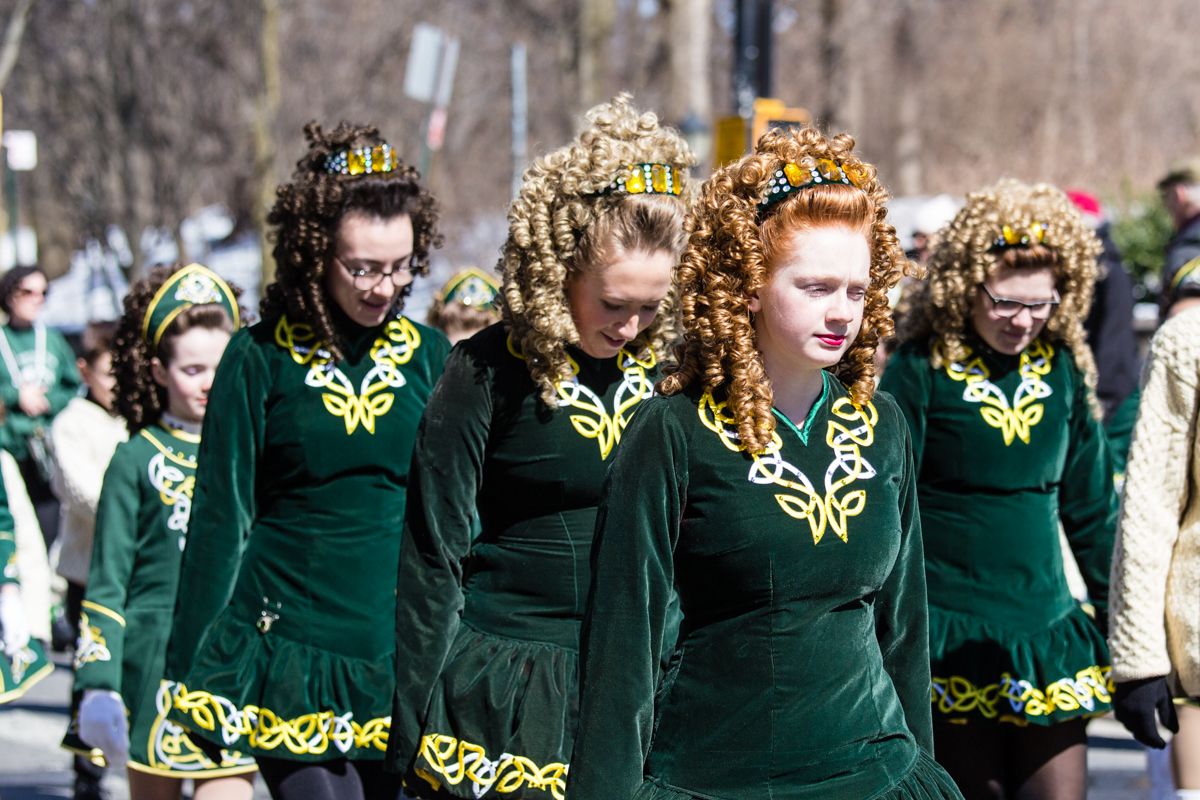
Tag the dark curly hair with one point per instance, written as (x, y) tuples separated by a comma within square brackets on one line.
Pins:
[(309, 210), (11, 280), (727, 258), (139, 398)]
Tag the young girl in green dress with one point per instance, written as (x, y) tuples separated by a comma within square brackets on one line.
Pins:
[(521, 429), (176, 324), (997, 383), (774, 490), (282, 645)]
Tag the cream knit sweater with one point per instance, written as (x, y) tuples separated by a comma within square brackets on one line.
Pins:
[(1155, 591)]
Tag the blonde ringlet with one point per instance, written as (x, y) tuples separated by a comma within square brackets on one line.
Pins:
[(562, 222), (965, 257), (726, 261)]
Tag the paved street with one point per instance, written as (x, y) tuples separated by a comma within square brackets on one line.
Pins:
[(32, 766)]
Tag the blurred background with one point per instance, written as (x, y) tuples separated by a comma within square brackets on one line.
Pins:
[(144, 131)]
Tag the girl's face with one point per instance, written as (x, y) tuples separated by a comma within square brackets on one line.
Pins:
[(189, 376), (99, 378), (370, 266), (611, 305), (993, 317), (811, 308), (27, 299)]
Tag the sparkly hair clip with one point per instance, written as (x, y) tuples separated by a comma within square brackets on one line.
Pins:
[(1033, 233), (646, 179), (363, 160), (193, 285), (473, 288), (792, 178)]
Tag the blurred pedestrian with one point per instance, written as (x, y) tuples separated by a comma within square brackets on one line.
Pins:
[(465, 305), (1180, 191), (998, 385)]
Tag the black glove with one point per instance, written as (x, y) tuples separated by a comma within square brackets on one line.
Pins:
[(1135, 703)]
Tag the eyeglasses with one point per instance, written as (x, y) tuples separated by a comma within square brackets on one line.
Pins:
[(366, 278), (21, 291), (1007, 308)]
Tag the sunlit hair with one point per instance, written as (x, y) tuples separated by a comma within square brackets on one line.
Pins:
[(562, 223), (727, 260), (965, 257), (309, 209), (454, 317), (138, 397)]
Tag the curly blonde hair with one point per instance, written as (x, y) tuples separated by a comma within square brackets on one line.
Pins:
[(966, 256), (564, 222), (727, 259)]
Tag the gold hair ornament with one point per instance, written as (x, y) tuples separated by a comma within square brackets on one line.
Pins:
[(1033, 233), (792, 178), (646, 179), (363, 160), (473, 288), (193, 285)]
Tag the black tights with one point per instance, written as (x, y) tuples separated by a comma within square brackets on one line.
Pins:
[(1007, 762), (341, 779)]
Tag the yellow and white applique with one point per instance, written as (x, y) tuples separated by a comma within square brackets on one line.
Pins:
[(172, 752), (595, 421), (173, 474), (455, 760), (92, 645), (1015, 419), (373, 397), (852, 429)]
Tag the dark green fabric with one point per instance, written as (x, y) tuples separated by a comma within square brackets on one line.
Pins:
[(1120, 433), (488, 630), (141, 525), (8, 541), (1008, 642), (282, 639), (801, 669), (60, 378)]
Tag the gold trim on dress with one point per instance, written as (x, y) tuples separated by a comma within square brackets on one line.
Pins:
[(108, 612), (456, 760), (1014, 419), (1091, 685)]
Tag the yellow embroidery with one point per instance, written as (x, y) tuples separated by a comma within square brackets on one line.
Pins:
[(1014, 420), (956, 695), (373, 397), (456, 760), (170, 750), (595, 422), (307, 734), (92, 645), (832, 508), (172, 473)]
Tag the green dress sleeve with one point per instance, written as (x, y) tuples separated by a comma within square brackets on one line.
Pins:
[(1087, 500), (627, 613), (909, 380), (444, 479), (8, 541), (902, 615), (67, 381), (223, 506), (102, 621)]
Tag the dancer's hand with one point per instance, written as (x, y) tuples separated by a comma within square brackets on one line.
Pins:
[(1139, 704), (103, 724), (14, 629)]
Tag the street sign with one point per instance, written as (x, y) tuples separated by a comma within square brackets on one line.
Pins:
[(21, 150), (424, 57)]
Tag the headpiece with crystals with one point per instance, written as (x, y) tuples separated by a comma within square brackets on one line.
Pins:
[(194, 285), (792, 178), (646, 179), (1015, 236), (473, 288), (363, 160)]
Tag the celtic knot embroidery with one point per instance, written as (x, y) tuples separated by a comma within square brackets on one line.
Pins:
[(92, 645), (263, 729), (596, 422), (372, 398), (171, 749), (1089, 687), (1015, 419), (852, 429), (175, 490), (456, 760)]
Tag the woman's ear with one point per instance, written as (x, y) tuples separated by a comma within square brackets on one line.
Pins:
[(754, 303), (158, 371)]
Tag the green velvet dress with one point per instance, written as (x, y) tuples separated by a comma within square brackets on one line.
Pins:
[(488, 629), (141, 528), (29, 665), (282, 642), (801, 668), (1007, 448)]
